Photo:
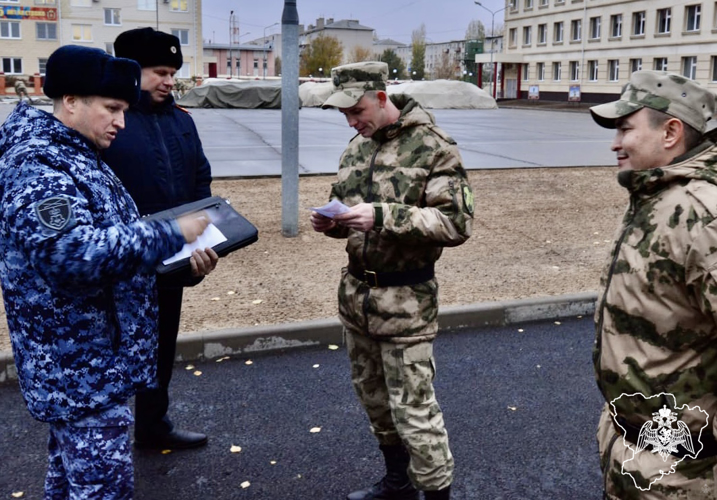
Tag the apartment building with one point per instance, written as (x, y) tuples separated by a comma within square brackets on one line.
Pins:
[(30, 30), (350, 32), (589, 48), (437, 55)]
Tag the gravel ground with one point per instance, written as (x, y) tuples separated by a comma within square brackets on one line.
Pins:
[(537, 232)]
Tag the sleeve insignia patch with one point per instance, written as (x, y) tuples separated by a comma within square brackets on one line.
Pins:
[(468, 199), (54, 213)]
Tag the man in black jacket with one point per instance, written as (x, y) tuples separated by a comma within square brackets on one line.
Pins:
[(159, 159)]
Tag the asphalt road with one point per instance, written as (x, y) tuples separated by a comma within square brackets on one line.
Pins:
[(521, 410), (242, 142)]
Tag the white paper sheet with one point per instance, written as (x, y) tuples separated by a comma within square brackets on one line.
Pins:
[(208, 239), (331, 209)]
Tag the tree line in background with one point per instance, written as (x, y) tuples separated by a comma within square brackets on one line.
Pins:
[(325, 52)]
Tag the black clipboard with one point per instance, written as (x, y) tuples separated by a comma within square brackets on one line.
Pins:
[(238, 231)]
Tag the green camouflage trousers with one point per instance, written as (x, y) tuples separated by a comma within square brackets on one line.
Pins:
[(395, 385), (692, 479)]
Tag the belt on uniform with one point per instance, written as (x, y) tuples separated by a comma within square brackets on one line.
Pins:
[(709, 444), (394, 278)]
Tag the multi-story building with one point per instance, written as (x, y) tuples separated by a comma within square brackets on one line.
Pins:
[(438, 55), (30, 30), (349, 32), (589, 48)]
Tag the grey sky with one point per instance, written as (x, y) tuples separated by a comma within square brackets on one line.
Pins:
[(444, 19)]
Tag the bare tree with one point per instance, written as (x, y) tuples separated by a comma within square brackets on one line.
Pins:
[(445, 69), (418, 52), (360, 54), (475, 30)]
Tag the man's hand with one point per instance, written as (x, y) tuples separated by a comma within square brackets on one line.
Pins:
[(321, 223), (192, 225), (360, 217), (203, 262)]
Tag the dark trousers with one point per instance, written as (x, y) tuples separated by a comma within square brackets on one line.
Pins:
[(151, 405)]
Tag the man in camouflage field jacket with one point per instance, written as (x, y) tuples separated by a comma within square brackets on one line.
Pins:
[(77, 271), (656, 349), (409, 197)]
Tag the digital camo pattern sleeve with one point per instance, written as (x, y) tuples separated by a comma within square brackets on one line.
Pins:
[(445, 217), (76, 250)]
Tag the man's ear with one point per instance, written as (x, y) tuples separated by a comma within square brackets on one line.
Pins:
[(70, 102), (382, 97), (674, 132)]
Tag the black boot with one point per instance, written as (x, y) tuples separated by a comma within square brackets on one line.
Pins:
[(395, 485), (443, 494)]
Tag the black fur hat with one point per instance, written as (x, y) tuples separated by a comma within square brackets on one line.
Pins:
[(149, 48), (84, 71)]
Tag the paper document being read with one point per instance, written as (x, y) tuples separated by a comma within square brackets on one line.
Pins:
[(331, 209), (208, 239)]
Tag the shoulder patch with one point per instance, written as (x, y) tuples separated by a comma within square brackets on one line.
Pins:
[(54, 213)]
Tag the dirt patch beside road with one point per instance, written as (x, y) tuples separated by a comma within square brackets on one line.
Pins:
[(537, 232)]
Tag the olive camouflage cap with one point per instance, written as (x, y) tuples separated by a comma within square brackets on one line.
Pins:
[(672, 94), (351, 81)]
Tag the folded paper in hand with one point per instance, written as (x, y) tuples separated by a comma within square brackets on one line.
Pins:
[(211, 237), (332, 209)]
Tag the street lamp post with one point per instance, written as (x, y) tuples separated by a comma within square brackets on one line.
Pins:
[(231, 29), (492, 40), (266, 28)]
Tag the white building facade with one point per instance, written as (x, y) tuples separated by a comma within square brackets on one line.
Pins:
[(589, 48)]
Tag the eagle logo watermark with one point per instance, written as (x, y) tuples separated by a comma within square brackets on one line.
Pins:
[(665, 435)]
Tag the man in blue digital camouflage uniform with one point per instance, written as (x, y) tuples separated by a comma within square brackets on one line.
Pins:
[(77, 272), (409, 197)]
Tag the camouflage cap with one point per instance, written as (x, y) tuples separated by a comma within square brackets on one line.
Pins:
[(351, 81), (672, 94)]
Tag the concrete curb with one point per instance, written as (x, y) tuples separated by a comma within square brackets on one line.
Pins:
[(244, 342)]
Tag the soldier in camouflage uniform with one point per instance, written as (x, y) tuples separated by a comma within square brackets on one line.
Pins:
[(656, 349), (21, 90), (409, 197), (77, 272)]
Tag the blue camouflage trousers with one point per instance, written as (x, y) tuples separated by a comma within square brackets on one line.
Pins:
[(395, 385), (91, 459)]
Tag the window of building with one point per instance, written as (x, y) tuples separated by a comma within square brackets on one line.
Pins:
[(542, 34), (46, 31), (12, 65), (693, 13), (146, 5), (613, 70), (9, 29), (714, 22), (635, 65), (82, 32), (178, 5), (526, 71), (660, 64), (616, 26), (664, 20), (594, 28), (81, 3), (638, 23), (42, 65), (183, 72), (513, 4), (543, 3), (689, 67), (110, 48), (576, 28), (112, 17), (45, 2), (527, 35), (558, 32), (512, 37), (557, 68), (528, 4), (592, 70), (574, 71), (540, 71), (714, 68), (183, 36)]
